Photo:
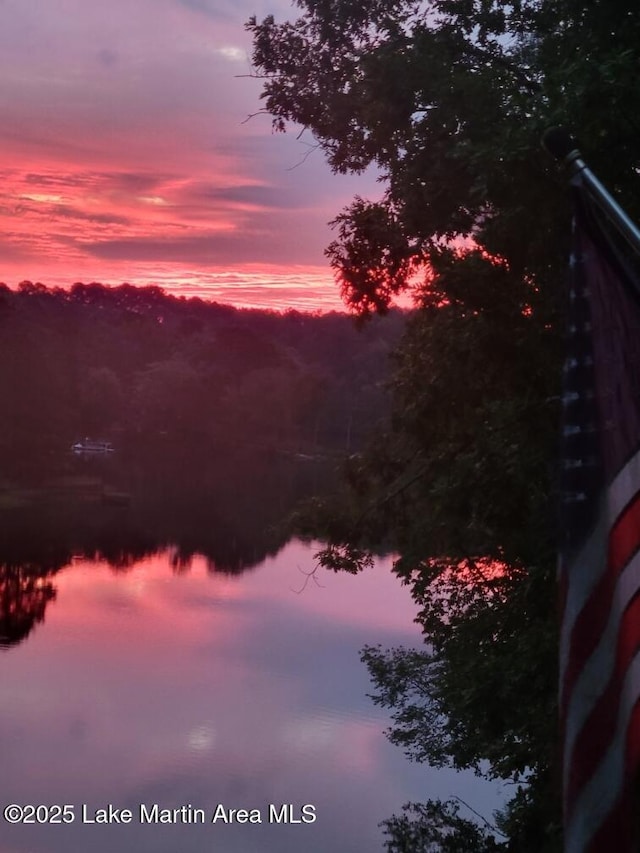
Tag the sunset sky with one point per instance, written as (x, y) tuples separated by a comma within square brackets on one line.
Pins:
[(126, 156)]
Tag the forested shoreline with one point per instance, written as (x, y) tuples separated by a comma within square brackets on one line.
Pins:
[(156, 374), (220, 420)]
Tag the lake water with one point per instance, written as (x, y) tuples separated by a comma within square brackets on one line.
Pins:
[(193, 688)]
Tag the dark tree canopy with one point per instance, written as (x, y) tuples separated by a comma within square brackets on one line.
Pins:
[(448, 100)]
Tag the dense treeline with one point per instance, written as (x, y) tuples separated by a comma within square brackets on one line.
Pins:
[(155, 373), (221, 420)]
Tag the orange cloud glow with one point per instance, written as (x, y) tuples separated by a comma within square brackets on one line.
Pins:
[(126, 157)]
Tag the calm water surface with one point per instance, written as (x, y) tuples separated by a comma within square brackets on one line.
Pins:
[(197, 688)]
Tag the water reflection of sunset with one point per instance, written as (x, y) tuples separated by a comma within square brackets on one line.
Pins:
[(154, 686)]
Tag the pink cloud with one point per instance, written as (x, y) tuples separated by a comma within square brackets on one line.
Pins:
[(126, 157)]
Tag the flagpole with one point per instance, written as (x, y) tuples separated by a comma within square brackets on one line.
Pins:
[(561, 145)]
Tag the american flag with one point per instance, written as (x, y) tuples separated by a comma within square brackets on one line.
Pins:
[(600, 556)]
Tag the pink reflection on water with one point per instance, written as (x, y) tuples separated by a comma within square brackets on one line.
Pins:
[(374, 599), (148, 685)]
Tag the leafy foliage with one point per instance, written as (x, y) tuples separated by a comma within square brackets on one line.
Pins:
[(433, 827), (448, 100)]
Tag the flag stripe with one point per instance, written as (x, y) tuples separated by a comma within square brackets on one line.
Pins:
[(579, 586), (593, 739), (599, 796), (590, 559), (625, 535), (592, 618), (599, 668), (616, 832)]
